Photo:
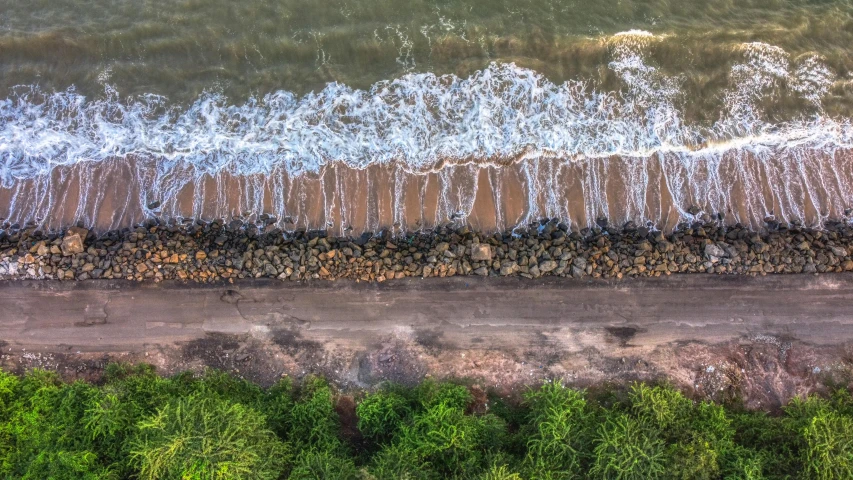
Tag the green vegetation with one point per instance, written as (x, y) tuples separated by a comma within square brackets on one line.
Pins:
[(138, 425)]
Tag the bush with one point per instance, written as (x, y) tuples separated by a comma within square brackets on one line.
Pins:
[(382, 414), (829, 446), (140, 425), (560, 430), (626, 451), (205, 437)]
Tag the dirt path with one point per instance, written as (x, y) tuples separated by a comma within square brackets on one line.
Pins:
[(506, 332)]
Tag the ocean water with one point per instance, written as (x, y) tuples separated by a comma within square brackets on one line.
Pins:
[(370, 114)]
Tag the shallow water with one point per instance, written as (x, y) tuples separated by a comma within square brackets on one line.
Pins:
[(359, 115)]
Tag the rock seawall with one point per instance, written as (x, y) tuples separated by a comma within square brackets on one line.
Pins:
[(216, 251)]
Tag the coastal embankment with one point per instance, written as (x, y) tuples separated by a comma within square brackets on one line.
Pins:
[(219, 252)]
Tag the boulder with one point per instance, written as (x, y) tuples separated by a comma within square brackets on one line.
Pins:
[(72, 244), (481, 252), (547, 266), (712, 250)]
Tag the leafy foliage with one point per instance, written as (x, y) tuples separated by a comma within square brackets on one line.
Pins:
[(212, 425), (205, 437)]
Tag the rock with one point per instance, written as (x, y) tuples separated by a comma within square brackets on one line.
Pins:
[(579, 262), (88, 267), (508, 268), (839, 252), (847, 265), (481, 252), (712, 250), (483, 271), (760, 247), (82, 232), (547, 266), (693, 210), (442, 247), (331, 254), (141, 268), (42, 249), (534, 271), (664, 246), (72, 244), (200, 255)]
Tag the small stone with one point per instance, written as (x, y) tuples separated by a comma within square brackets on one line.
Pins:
[(200, 255), (141, 268), (483, 271)]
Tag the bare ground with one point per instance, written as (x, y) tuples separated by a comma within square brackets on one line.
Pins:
[(761, 340)]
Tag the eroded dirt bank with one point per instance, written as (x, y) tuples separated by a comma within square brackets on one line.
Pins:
[(762, 339)]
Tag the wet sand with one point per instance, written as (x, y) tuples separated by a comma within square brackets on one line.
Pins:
[(804, 184)]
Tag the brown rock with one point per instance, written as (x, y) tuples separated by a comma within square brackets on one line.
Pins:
[(200, 255), (72, 244), (481, 252)]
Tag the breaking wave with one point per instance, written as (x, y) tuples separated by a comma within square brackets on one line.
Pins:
[(423, 122)]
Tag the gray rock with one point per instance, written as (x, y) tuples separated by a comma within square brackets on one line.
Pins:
[(482, 271), (579, 262), (712, 250), (534, 271), (547, 266)]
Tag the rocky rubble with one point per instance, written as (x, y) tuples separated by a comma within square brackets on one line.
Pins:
[(216, 251)]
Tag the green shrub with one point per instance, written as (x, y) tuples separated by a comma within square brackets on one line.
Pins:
[(142, 426), (559, 418), (314, 421), (829, 446), (206, 437), (382, 414), (625, 450), (661, 407), (501, 472), (322, 465)]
